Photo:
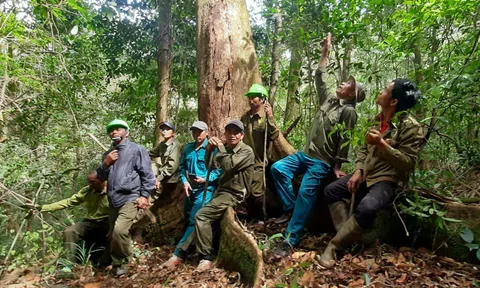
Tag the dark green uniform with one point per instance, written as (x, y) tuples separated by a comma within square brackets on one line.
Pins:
[(165, 164), (321, 143), (392, 165), (234, 182), (168, 156), (255, 138), (93, 228)]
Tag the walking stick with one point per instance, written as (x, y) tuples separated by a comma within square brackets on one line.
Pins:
[(209, 169), (352, 203), (264, 199)]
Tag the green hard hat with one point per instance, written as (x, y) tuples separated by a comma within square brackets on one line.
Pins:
[(117, 123), (257, 89)]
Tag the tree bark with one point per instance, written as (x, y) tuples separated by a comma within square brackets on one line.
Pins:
[(164, 59), (226, 61), (292, 110), (275, 73)]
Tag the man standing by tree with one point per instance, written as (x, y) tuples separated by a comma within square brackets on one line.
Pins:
[(193, 174), (255, 121), (236, 161), (326, 149), (168, 153), (166, 160), (93, 228), (127, 167), (383, 165)]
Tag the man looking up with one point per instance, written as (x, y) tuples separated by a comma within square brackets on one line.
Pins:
[(127, 167), (324, 151), (382, 167)]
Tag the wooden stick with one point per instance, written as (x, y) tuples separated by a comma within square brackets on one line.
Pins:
[(98, 142), (352, 204)]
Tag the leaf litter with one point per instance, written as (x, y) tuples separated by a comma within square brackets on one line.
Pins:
[(380, 266)]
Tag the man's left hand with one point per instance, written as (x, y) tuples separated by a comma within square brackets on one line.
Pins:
[(215, 141), (142, 202), (268, 109), (157, 184), (374, 137)]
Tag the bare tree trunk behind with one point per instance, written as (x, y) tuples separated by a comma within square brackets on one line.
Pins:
[(275, 74), (292, 110), (346, 60), (164, 59), (226, 61)]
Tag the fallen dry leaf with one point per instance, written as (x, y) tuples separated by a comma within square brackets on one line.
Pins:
[(401, 258), (92, 285), (307, 278), (357, 283), (402, 279)]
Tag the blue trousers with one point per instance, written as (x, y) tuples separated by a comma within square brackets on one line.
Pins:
[(283, 171), (191, 205)]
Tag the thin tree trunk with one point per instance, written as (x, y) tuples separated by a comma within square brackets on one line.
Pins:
[(292, 110), (226, 61), (346, 60), (275, 74), (164, 62)]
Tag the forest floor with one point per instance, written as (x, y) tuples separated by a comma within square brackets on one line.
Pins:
[(380, 266)]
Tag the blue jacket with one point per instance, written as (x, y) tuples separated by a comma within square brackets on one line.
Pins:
[(194, 163), (130, 177)]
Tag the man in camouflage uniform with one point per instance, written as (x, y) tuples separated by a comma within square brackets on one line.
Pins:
[(255, 121), (324, 151), (382, 166), (236, 160)]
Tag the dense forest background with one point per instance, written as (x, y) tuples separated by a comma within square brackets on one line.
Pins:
[(68, 67)]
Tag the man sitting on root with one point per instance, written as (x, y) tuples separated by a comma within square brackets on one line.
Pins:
[(383, 165), (325, 150), (236, 159)]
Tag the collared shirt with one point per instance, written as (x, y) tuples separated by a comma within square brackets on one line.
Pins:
[(194, 162), (320, 144), (96, 203), (167, 160), (396, 163), (255, 134), (130, 177), (237, 168)]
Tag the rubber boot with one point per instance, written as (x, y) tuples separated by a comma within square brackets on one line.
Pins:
[(349, 232), (339, 213)]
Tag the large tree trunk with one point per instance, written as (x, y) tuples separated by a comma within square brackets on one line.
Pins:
[(164, 59), (292, 110), (275, 73), (227, 67), (226, 61)]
